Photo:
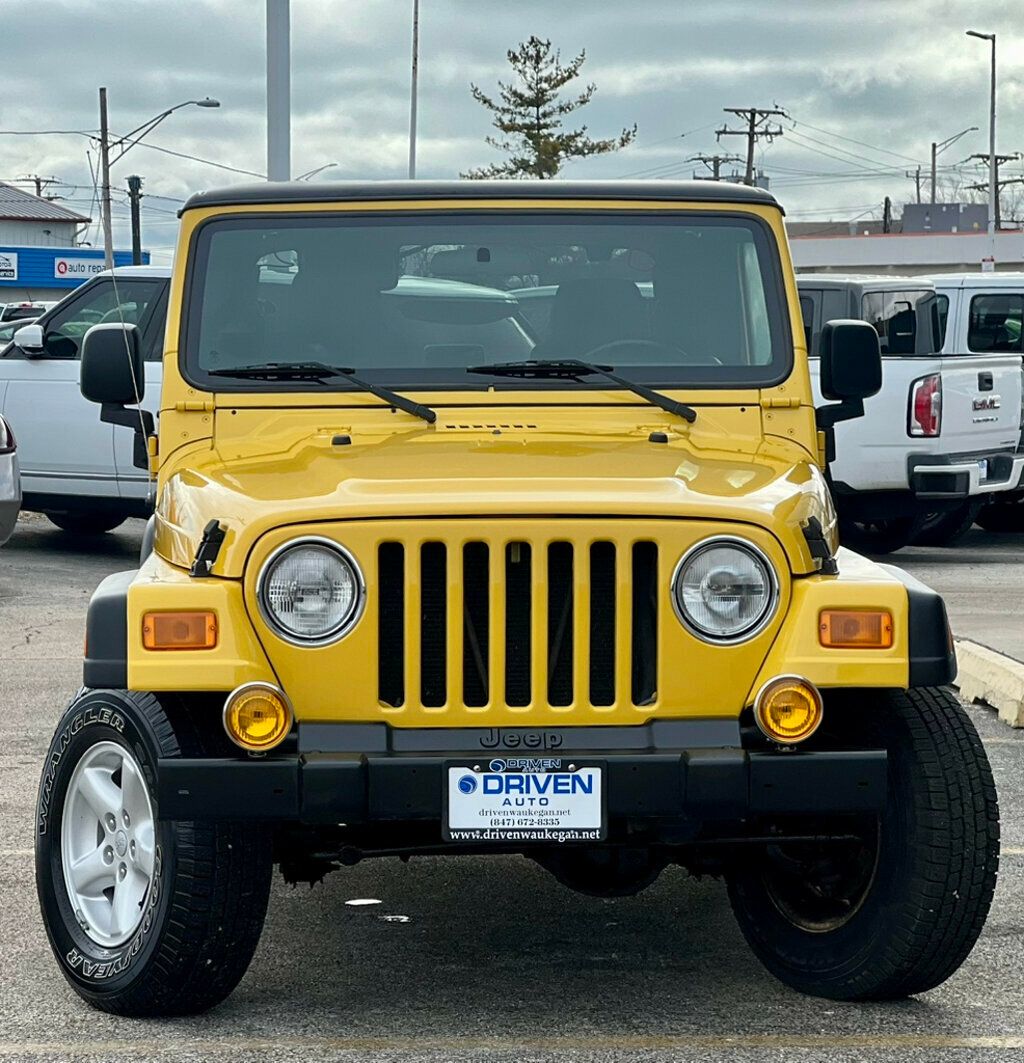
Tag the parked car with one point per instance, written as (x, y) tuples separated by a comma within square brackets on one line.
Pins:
[(941, 436), (987, 315), (76, 469), (10, 482), (22, 311), (412, 592)]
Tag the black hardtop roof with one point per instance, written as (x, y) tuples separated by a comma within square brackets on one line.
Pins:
[(276, 192)]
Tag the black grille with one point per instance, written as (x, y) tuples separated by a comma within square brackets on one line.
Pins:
[(513, 565), (391, 623), (433, 621), (518, 579), (602, 624), (476, 641)]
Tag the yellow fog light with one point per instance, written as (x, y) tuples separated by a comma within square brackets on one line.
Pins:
[(257, 717), (788, 709)]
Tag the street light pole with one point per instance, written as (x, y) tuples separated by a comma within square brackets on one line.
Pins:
[(993, 191), (413, 102), (126, 143), (108, 229)]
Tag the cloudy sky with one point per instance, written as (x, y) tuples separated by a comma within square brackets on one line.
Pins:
[(867, 85)]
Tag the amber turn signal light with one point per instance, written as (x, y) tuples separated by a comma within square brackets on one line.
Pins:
[(788, 709), (257, 717), (179, 631), (865, 629)]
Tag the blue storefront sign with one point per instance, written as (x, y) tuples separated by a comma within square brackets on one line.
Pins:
[(54, 267)]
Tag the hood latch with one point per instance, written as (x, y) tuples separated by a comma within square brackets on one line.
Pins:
[(209, 548)]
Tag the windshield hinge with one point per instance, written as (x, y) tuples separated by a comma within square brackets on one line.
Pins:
[(777, 402), (196, 406), (209, 548)]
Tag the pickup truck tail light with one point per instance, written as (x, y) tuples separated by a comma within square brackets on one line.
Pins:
[(7, 441), (925, 413)]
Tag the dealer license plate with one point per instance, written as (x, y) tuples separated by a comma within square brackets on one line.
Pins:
[(522, 799)]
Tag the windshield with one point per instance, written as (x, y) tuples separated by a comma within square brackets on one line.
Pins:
[(414, 301)]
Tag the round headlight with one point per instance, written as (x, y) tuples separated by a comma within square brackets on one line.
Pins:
[(725, 590), (311, 591)]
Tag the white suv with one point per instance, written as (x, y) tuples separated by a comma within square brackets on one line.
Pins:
[(76, 469)]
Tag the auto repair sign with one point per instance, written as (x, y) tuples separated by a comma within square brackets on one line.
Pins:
[(76, 268), (8, 266)]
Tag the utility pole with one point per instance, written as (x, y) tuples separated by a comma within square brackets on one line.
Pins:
[(413, 102), (758, 125), (887, 215), (714, 163), (994, 161), (993, 195), (40, 183), (108, 232), (279, 161), (915, 176), (135, 198)]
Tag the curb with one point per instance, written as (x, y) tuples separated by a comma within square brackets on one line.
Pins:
[(985, 675)]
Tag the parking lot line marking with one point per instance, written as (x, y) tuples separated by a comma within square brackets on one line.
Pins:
[(17, 852), (1013, 850), (626, 1042)]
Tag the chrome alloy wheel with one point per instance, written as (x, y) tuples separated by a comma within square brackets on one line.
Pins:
[(108, 843)]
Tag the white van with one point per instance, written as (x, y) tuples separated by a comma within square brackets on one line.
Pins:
[(941, 437)]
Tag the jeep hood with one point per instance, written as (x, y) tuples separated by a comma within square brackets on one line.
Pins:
[(306, 476)]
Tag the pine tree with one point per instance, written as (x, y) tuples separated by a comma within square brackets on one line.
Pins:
[(529, 115)]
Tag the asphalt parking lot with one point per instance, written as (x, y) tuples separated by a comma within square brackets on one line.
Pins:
[(493, 958)]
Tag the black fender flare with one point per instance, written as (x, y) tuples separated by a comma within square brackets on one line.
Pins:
[(929, 636), (106, 633)]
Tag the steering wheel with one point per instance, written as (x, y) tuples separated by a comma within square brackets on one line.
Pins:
[(605, 349)]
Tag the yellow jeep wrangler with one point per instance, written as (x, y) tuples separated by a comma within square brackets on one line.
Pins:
[(495, 518)]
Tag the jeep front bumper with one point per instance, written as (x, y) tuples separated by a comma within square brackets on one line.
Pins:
[(357, 774)]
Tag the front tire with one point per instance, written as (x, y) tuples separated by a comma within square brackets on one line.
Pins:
[(898, 912), (86, 523), (881, 535), (145, 916), (947, 529)]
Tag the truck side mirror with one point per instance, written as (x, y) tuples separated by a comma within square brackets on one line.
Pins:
[(851, 371), (851, 361), (113, 374), (112, 369), (29, 339)]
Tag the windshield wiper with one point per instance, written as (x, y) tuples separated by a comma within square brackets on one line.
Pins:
[(573, 369), (320, 372)]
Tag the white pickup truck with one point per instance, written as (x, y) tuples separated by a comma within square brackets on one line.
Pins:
[(941, 437), (76, 469)]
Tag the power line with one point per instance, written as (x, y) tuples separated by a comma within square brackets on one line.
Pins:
[(192, 158)]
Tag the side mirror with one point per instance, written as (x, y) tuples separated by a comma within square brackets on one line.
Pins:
[(851, 361), (113, 375), (30, 339), (112, 369)]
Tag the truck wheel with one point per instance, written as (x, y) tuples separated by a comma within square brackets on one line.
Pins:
[(882, 536), (145, 916), (946, 529), (1002, 516), (899, 910), (86, 523)]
